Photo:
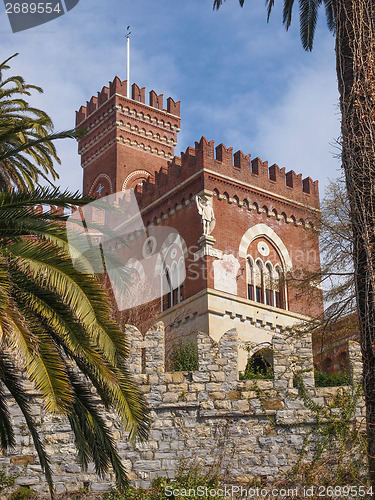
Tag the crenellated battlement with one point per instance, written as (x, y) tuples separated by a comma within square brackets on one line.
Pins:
[(258, 426), (235, 168), (215, 387), (53, 210), (118, 87)]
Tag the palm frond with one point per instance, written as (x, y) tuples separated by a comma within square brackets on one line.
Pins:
[(83, 293), (93, 439), (27, 151), (331, 23), (64, 327), (308, 20), (12, 380), (218, 3), (269, 7), (287, 13), (41, 196), (52, 316), (7, 437), (120, 394)]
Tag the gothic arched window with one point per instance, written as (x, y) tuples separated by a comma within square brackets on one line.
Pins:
[(259, 281), (250, 278), (265, 283), (174, 292), (279, 288), (269, 285)]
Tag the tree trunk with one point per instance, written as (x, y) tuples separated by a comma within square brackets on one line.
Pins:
[(355, 59)]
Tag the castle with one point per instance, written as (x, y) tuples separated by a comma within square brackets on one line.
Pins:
[(249, 231), (265, 219)]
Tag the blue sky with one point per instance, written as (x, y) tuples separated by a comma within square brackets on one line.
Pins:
[(241, 81)]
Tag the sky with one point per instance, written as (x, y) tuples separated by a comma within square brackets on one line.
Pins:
[(241, 82)]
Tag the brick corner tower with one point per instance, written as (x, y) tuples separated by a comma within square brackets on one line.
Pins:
[(127, 140)]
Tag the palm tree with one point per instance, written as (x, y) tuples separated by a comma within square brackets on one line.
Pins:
[(27, 151), (56, 326), (353, 22)]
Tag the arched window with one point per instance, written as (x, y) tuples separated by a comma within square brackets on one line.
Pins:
[(267, 262), (258, 281), (269, 284), (265, 283), (250, 279), (279, 288), (259, 365), (174, 293), (169, 292)]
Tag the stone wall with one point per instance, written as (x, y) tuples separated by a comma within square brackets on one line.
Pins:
[(207, 415)]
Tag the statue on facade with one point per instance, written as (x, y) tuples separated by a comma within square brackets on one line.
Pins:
[(204, 205)]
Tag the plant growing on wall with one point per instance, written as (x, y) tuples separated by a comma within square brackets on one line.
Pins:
[(257, 368), (184, 356)]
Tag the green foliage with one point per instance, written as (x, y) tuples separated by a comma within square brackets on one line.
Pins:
[(23, 493), (7, 480), (56, 323), (336, 440), (255, 372), (184, 356), (333, 380), (335, 420), (188, 477), (27, 150), (334, 445)]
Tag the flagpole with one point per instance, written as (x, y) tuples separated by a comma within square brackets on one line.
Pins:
[(128, 64)]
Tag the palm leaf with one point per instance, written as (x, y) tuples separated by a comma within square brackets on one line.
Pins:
[(27, 150), (287, 13), (92, 436), (55, 317), (308, 20), (11, 379)]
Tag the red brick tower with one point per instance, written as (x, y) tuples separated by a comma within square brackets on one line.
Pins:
[(127, 139), (237, 273)]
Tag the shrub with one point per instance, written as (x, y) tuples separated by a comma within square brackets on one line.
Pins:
[(184, 356), (334, 380), (8, 480), (23, 493), (254, 371), (188, 477)]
